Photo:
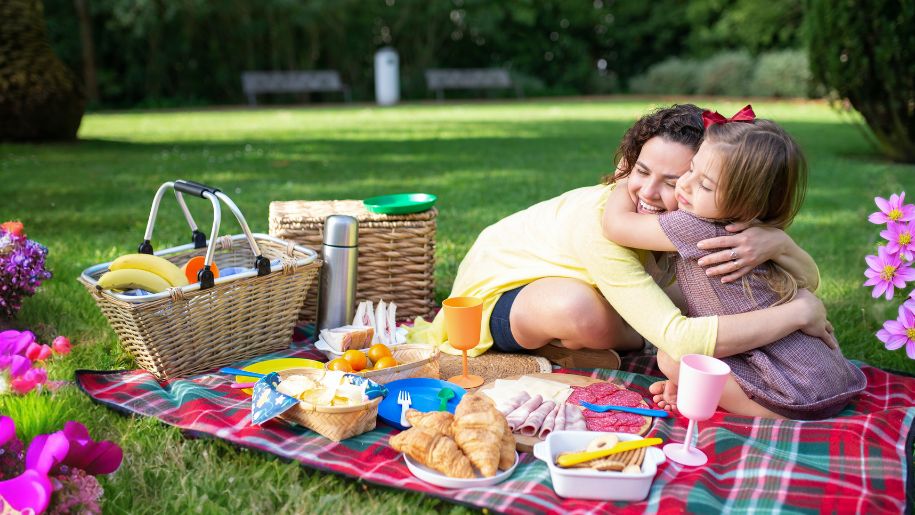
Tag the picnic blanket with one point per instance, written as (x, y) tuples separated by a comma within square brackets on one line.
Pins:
[(858, 462)]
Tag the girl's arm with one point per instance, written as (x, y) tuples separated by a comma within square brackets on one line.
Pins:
[(753, 245), (623, 226)]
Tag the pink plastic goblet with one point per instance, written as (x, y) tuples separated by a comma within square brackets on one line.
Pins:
[(702, 380)]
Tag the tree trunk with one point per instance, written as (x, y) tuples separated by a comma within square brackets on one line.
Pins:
[(85, 36), (40, 98)]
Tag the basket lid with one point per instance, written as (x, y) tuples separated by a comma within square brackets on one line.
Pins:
[(293, 212)]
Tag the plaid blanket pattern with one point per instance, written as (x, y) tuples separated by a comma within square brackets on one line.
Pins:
[(858, 462)]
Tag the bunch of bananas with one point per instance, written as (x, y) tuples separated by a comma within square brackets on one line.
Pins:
[(144, 272)]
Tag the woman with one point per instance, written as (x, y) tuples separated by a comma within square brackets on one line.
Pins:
[(547, 273)]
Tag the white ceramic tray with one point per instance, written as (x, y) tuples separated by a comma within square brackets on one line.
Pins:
[(585, 483), (436, 478)]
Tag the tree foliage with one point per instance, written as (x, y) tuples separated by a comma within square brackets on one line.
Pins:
[(865, 51), (160, 52)]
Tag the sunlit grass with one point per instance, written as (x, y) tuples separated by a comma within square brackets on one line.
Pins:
[(88, 203)]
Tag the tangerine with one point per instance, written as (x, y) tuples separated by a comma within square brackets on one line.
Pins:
[(356, 359), (378, 351), (339, 364), (385, 362)]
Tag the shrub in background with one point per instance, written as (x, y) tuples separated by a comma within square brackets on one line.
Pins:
[(865, 51), (726, 73), (671, 76), (784, 73)]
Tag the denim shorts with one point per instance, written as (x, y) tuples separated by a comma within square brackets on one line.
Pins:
[(500, 325)]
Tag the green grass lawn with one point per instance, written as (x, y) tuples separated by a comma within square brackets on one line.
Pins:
[(88, 202)]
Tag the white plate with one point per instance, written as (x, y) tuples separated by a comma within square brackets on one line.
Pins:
[(433, 477), (321, 345)]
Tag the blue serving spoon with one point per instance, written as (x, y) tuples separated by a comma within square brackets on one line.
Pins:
[(599, 408)]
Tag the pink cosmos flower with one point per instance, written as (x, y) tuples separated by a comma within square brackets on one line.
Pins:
[(900, 237), (61, 345), (899, 332), (22, 386), (33, 350), (887, 271), (892, 210)]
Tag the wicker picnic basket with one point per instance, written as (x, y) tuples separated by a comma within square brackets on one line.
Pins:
[(396, 252), (211, 323), (333, 422), (418, 361)]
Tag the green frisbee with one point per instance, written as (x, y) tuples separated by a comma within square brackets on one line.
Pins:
[(400, 203)]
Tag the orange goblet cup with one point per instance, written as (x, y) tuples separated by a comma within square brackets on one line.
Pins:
[(463, 316)]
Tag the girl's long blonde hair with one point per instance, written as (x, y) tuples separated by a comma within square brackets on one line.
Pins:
[(763, 178)]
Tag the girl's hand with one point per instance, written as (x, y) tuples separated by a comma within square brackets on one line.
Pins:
[(814, 317), (743, 251)]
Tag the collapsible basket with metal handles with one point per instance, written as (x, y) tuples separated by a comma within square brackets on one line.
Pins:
[(211, 323)]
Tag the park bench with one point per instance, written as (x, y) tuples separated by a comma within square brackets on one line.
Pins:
[(254, 83), (469, 78)]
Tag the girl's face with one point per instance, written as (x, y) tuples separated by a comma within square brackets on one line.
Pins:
[(697, 189), (655, 173)]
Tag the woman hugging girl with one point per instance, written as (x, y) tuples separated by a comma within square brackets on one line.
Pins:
[(746, 170)]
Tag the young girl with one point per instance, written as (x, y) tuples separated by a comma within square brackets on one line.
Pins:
[(744, 171)]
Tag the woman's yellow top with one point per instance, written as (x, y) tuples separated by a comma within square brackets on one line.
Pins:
[(562, 237)]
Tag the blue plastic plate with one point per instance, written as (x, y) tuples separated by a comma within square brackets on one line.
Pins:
[(423, 393)]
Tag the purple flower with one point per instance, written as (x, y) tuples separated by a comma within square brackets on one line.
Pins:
[(887, 271), (22, 270), (901, 239), (899, 332), (892, 210)]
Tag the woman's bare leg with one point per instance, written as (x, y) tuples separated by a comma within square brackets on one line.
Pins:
[(733, 399), (571, 311)]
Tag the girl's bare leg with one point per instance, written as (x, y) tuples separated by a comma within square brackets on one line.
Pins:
[(571, 311), (733, 399)]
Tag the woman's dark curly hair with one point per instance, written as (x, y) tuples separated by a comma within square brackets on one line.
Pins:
[(679, 123)]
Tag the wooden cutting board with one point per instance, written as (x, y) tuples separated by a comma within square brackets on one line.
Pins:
[(526, 443)]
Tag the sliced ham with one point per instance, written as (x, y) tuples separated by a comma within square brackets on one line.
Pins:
[(560, 423), (534, 421), (549, 422), (575, 421), (513, 402), (520, 414)]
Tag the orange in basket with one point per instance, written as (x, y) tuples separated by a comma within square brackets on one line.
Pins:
[(195, 265)]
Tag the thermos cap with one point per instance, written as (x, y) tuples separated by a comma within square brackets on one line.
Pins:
[(341, 231)]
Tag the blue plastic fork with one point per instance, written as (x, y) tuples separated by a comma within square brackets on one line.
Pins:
[(599, 408), (240, 372)]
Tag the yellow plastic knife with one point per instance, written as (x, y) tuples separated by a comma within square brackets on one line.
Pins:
[(567, 460)]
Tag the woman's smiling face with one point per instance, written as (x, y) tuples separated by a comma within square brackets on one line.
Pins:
[(654, 175)]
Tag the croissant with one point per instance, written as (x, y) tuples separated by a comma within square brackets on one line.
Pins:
[(478, 429), (438, 421), (507, 449), (433, 450)]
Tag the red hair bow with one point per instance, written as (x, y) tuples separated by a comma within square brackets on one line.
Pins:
[(744, 115)]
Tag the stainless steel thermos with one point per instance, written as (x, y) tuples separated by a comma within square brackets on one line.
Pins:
[(337, 297)]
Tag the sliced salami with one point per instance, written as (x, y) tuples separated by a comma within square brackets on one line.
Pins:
[(613, 421)]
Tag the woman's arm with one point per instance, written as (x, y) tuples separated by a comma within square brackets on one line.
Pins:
[(747, 331), (754, 245)]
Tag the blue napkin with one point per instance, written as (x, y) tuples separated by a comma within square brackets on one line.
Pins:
[(267, 403)]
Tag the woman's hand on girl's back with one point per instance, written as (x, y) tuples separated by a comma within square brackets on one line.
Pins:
[(813, 313), (741, 252)]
